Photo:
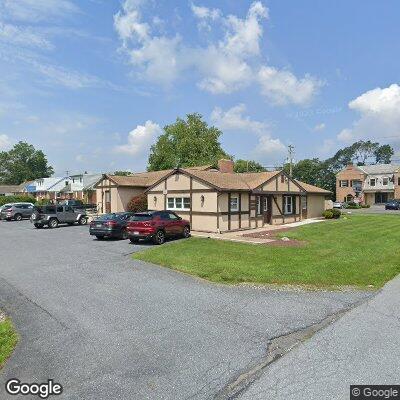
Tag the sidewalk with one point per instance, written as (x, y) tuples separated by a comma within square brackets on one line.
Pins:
[(243, 235), (363, 347)]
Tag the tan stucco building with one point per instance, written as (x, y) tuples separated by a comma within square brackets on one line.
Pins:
[(215, 201)]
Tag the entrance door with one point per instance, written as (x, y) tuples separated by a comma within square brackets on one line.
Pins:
[(304, 207), (266, 204), (107, 201), (381, 198)]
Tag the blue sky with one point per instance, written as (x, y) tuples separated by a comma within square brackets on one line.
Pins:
[(92, 82)]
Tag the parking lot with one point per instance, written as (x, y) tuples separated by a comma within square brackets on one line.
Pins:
[(105, 326)]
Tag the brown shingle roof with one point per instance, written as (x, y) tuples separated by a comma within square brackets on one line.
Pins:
[(9, 189), (234, 181), (311, 188)]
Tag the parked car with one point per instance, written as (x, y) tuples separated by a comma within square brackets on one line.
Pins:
[(338, 204), (110, 225), (16, 211), (157, 226), (52, 216), (78, 204), (392, 205)]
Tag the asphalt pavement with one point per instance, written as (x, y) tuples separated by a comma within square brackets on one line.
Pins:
[(106, 326)]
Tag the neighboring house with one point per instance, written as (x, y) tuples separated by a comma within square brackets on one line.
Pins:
[(44, 185), (221, 200), (9, 190), (368, 184)]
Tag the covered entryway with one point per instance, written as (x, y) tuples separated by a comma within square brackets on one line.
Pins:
[(381, 197)]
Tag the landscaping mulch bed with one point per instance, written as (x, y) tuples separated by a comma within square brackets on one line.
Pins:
[(277, 241)]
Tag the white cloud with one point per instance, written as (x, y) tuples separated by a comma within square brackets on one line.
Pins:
[(282, 87), (267, 148), (319, 127), (223, 66), (379, 111), (233, 119), (23, 36), (5, 142), (140, 139), (36, 10)]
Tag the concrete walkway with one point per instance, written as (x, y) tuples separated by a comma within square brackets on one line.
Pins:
[(242, 236), (363, 347)]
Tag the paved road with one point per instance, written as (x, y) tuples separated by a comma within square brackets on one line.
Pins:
[(108, 327), (361, 348)]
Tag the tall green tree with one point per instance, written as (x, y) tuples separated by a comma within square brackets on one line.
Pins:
[(247, 166), (23, 163), (186, 143), (383, 154)]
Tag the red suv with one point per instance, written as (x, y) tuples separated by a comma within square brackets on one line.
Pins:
[(156, 225)]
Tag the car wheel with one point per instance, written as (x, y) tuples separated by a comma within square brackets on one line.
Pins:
[(159, 237), (82, 221), (134, 240), (18, 217), (124, 234), (186, 232), (38, 226), (99, 237), (53, 223)]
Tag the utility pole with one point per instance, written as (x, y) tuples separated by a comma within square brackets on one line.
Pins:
[(291, 151)]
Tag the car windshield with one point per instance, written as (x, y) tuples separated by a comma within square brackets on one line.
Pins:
[(108, 217), (46, 209), (141, 217)]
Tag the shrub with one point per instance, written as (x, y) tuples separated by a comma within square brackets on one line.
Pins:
[(138, 203), (16, 199), (43, 202), (336, 213), (365, 205), (327, 214)]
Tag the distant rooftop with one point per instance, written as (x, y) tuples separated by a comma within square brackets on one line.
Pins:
[(380, 168)]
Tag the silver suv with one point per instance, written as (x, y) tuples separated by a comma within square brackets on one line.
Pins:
[(16, 211), (52, 216)]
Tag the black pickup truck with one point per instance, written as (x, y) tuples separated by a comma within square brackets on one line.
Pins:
[(78, 205)]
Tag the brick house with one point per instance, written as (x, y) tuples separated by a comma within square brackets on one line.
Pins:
[(368, 184)]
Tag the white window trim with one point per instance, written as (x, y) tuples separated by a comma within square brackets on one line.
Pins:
[(236, 208), (383, 181), (175, 208), (341, 183), (370, 181), (286, 205), (258, 205)]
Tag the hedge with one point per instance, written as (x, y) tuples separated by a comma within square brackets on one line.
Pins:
[(16, 199)]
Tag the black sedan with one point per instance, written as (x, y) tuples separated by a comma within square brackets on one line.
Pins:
[(393, 205), (110, 225)]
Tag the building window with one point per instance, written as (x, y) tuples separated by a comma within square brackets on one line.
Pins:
[(385, 181), (234, 204), (178, 203), (344, 183), (258, 205), (356, 185), (304, 202), (372, 182), (288, 204)]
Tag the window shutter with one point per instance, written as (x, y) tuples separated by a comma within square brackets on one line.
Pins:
[(294, 204)]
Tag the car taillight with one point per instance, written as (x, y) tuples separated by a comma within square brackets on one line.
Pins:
[(111, 224)]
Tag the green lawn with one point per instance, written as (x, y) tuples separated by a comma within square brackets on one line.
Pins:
[(8, 340), (357, 251)]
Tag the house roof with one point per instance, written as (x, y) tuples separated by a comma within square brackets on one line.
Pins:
[(146, 179), (232, 181), (4, 189), (311, 188), (379, 168)]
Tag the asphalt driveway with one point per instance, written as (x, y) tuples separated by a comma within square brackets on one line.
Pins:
[(108, 327)]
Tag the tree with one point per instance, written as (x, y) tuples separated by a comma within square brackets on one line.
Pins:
[(247, 166), (186, 143), (315, 172), (383, 154), (122, 173), (23, 163)]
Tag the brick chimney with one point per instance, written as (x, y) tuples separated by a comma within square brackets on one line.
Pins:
[(225, 166)]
